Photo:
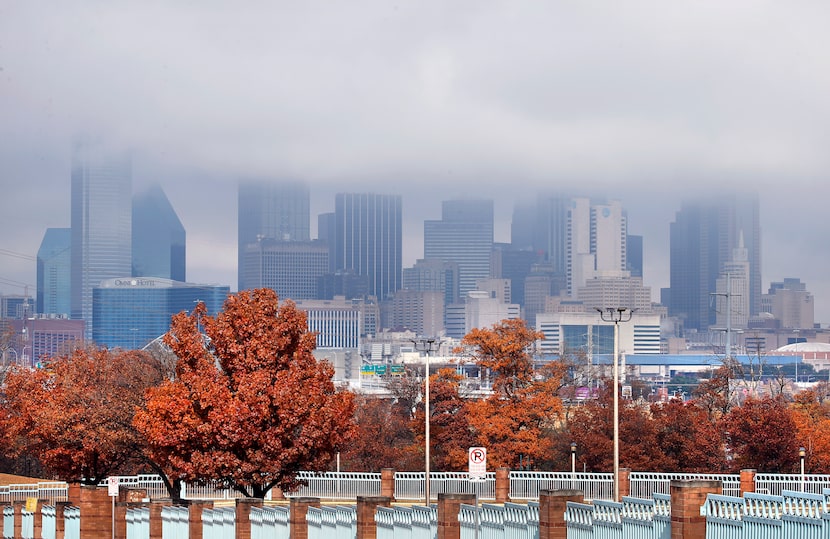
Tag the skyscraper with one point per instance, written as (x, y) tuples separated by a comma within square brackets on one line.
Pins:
[(702, 239), (368, 239), (290, 268), (101, 223), (276, 210), (158, 237), (596, 242), (464, 235), (53, 271)]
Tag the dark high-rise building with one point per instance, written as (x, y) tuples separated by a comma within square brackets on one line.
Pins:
[(703, 237), (550, 230), (271, 210), (634, 255), (53, 270), (507, 262), (464, 235), (158, 237), (101, 223), (368, 239)]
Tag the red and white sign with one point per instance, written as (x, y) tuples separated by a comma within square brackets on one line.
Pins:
[(478, 463), (112, 485)]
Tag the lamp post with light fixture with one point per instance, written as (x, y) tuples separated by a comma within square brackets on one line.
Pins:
[(426, 345), (616, 315)]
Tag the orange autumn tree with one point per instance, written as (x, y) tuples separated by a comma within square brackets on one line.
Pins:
[(516, 421), (250, 406), (76, 413)]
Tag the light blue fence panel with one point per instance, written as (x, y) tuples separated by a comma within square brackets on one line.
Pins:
[(762, 516), (138, 523), (175, 522), (579, 520), (491, 521), (607, 519), (724, 516), (526, 485), (402, 521), (345, 521), (802, 515), (269, 522), (424, 522), (71, 522), (385, 522), (517, 521), (468, 519), (48, 521), (662, 516), (8, 522), (27, 525), (314, 520), (638, 518), (219, 523)]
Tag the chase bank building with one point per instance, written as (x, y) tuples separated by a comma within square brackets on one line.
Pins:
[(130, 312)]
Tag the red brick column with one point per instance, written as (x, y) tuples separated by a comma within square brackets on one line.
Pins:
[(297, 518), (687, 497), (195, 517), (18, 518), (243, 516), (552, 505), (367, 506), (60, 524), (96, 512), (155, 517), (748, 481), (502, 485), (387, 483), (38, 520), (625, 483), (73, 494), (449, 505)]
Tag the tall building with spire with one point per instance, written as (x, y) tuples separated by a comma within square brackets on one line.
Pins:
[(101, 219), (702, 239)]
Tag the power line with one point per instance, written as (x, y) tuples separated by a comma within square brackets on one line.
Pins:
[(14, 254)]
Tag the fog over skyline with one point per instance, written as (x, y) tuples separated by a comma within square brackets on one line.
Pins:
[(645, 102)]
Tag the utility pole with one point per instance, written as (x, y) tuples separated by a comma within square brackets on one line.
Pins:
[(616, 315), (426, 345)]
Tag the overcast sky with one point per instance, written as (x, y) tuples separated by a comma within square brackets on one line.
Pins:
[(640, 101)]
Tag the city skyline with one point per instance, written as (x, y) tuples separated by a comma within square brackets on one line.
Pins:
[(645, 104)]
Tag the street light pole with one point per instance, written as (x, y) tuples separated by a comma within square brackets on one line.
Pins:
[(573, 464), (426, 345), (801, 454), (620, 314)]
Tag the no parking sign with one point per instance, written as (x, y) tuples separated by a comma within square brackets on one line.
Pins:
[(478, 463)]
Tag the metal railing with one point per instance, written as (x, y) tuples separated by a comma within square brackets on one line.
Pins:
[(595, 486), (776, 484), (338, 485), (51, 491), (410, 485), (645, 484), (270, 522)]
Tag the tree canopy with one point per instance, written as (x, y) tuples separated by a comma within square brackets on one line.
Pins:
[(250, 405)]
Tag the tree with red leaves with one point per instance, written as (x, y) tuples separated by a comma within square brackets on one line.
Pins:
[(76, 414), (250, 405), (762, 435)]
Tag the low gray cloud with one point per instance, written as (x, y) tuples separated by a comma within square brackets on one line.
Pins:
[(641, 101)]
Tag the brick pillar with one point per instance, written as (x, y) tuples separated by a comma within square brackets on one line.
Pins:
[(297, 518), (748, 481), (502, 485), (243, 516), (552, 505), (73, 494), (277, 494), (367, 506), (387, 483), (60, 524), (96, 512), (38, 520), (18, 518), (155, 517), (449, 505), (687, 497), (195, 517), (625, 483)]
